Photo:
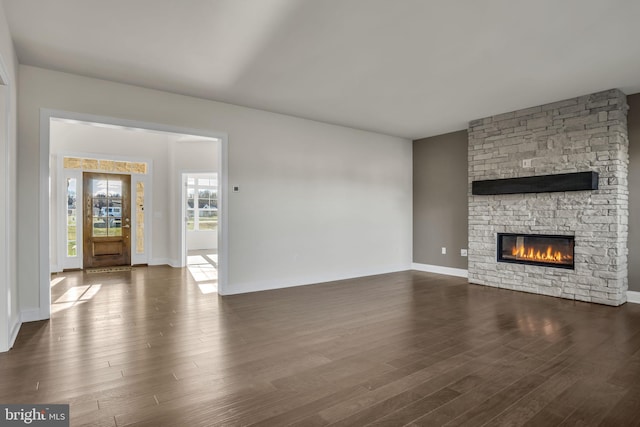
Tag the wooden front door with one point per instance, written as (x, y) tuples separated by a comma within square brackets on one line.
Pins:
[(107, 219)]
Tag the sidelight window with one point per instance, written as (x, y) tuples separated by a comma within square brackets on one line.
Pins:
[(72, 217)]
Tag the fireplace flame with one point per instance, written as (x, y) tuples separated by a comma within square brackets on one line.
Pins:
[(522, 252)]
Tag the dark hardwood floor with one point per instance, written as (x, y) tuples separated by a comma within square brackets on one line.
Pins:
[(149, 348)]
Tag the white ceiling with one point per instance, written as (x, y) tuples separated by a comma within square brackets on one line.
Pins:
[(411, 68)]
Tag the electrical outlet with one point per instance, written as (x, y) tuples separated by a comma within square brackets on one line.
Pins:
[(463, 252), (526, 163), (444, 251)]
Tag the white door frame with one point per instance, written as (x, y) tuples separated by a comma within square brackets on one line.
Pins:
[(43, 215), (183, 213), (63, 262)]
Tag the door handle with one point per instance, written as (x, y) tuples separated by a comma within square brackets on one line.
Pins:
[(126, 226)]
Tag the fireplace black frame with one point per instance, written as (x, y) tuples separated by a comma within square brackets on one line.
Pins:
[(499, 257)]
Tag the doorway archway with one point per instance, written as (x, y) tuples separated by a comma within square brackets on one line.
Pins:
[(46, 115)]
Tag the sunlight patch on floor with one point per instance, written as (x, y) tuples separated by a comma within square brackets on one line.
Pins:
[(208, 288), (75, 296), (203, 267), (203, 273), (196, 259), (91, 292), (56, 281)]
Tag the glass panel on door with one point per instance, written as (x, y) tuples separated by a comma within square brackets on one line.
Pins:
[(99, 204), (106, 204)]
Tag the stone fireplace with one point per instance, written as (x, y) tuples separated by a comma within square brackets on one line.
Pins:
[(587, 134)]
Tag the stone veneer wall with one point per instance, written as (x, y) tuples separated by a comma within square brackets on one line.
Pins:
[(588, 133)]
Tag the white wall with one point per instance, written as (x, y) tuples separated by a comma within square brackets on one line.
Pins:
[(317, 202), (9, 314), (83, 138), (207, 239)]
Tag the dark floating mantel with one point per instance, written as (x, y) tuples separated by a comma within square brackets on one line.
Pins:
[(537, 184)]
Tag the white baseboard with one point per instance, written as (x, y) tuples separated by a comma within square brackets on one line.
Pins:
[(243, 288), (30, 315), (633, 297), (159, 261), (13, 332), (55, 269), (458, 272)]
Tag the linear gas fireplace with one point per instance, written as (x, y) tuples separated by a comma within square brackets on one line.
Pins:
[(536, 249)]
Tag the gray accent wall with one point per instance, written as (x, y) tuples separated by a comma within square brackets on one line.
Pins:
[(440, 199), (633, 123)]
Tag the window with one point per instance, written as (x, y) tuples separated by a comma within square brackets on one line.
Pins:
[(202, 202), (140, 217), (72, 237), (106, 203)]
